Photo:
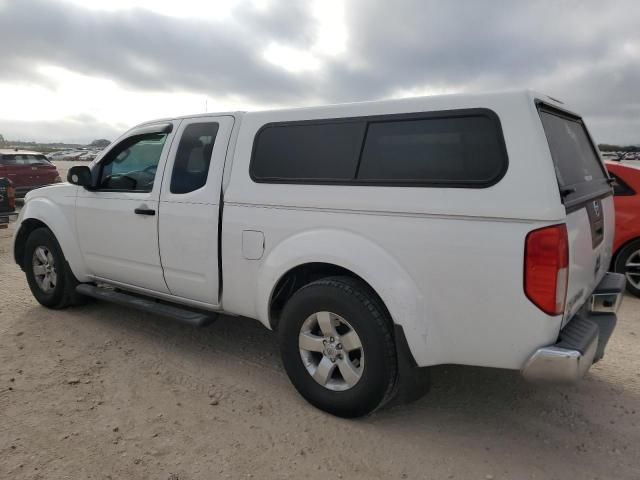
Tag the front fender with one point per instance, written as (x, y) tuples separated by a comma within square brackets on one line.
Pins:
[(363, 257), (58, 216)]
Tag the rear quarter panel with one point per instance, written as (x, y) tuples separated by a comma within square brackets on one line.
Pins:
[(455, 285)]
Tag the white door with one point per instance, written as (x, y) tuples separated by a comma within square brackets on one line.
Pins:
[(190, 208), (117, 220)]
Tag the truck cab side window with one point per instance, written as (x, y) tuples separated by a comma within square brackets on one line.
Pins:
[(191, 165), (132, 165)]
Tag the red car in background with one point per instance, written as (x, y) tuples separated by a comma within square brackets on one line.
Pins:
[(626, 244), (27, 170)]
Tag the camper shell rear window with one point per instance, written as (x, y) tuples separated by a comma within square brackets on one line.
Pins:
[(579, 171)]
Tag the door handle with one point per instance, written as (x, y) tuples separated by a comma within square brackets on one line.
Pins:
[(144, 211)]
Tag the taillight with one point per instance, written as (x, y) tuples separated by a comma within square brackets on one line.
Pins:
[(546, 268), (11, 196)]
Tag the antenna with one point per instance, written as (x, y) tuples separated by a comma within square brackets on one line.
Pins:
[(206, 110)]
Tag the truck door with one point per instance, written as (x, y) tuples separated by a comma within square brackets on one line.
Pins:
[(190, 208), (117, 221)]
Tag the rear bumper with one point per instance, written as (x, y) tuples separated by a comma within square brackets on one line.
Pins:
[(583, 340)]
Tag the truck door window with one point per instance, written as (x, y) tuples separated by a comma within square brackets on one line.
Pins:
[(193, 157), (132, 165)]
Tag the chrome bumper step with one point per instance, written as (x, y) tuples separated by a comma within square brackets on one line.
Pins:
[(583, 340), (570, 358)]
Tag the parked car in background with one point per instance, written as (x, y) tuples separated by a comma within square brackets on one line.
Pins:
[(626, 244), (27, 170), (7, 202), (612, 156), (87, 156), (59, 155)]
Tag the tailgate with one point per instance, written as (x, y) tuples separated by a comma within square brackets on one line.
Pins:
[(588, 199)]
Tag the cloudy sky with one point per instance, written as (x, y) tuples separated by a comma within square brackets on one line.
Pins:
[(76, 70)]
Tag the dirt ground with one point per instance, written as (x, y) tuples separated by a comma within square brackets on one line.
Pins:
[(102, 392)]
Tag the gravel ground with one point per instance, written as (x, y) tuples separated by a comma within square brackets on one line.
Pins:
[(103, 392)]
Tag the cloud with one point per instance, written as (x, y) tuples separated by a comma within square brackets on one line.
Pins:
[(149, 51), (585, 52)]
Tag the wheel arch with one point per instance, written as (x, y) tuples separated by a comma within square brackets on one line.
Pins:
[(41, 212), (321, 253), (26, 227), (303, 274)]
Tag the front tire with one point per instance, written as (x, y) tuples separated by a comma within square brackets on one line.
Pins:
[(337, 347), (50, 279), (628, 263)]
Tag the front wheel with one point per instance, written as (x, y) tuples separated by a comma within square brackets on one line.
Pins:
[(50, 279), (337, 347), (628, 263)]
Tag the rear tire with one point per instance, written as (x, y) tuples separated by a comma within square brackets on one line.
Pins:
[(626, 262), (50, 279), (337, 325)]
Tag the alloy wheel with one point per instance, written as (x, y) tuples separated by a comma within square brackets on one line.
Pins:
[(44, 269), (331, 351), (632, 269)]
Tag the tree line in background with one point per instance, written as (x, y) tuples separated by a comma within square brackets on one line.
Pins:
[(606, 147), (53, 146)]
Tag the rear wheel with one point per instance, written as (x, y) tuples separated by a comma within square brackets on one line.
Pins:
[(50, 279), (337, 347), (628, 263)]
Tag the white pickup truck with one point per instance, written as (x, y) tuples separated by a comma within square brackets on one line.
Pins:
[(377, 238)]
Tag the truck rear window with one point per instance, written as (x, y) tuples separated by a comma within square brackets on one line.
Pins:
[(578, 167)]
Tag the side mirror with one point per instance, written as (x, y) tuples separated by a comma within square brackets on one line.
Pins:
[(80, 175)]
